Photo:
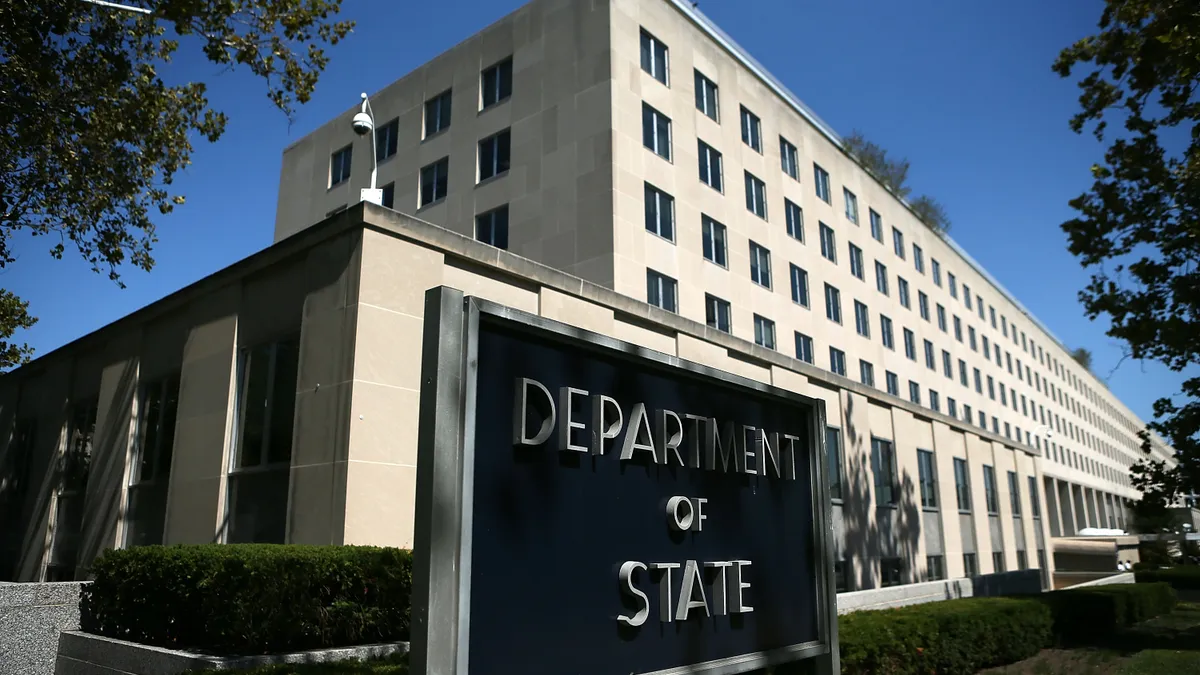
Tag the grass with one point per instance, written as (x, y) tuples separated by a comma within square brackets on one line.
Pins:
[(393, 665), (1162, 662)]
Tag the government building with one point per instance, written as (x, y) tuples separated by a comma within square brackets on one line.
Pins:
[(621, 166)]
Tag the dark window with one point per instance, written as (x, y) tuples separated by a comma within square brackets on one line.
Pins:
[(716, 313), (891, 572), (385, 140), (339, 165), (492, 227), (935, 568), (928, 477), (435, 181), (497, 83), (883, 465), (962, 483), (150, 469), (804, 347), (893, 383), (751, 130), (970, 565), (660, 212), (707, 100), (437, 113), (710, 166), (828, 242), (389, 195), (764, 332), (656, 131), (991, 497), (495, 154), (998, 562), (662, 291), (821, 180), (794, 217), (756, 196), (654, 57), (799, 279), (1014, 493), (789, 158), (760, 265), (837, 361), (714, 240)]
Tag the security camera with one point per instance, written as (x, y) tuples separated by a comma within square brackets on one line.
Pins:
[(362, 124)]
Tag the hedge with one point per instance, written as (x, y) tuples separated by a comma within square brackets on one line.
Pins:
[(1097, 612), (1183, 577), (251, 598)]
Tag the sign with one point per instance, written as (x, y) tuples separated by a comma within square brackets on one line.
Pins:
[(619, 511)]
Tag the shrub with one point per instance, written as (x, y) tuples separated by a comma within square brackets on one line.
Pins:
[(1087, 614), (1184, 577), (253, 598), (956, 636)]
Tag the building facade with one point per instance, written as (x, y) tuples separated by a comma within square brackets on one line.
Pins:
[(621, 166)]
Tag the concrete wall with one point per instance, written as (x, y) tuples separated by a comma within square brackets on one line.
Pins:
[(31, 618)]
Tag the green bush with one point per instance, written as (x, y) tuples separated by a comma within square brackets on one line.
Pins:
[(956, 636), (252, 598), (1183, 577), (1097, 612)]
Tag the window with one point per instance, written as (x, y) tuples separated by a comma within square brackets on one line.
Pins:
[(881, 278), (386, 138), (789, 158), (837, 361), (962, 373), (804, 347), (494, 154), (902, 290), (660, 212), (656, 132), (339, 165), (862, 319), (967, 295), (760, 265), (978, 382), (435, 181), (914, 392), (951, 407), (953, 283), (851, 205), (833, 304), (150, 467), (941, 317), (979, 305), (821, 180), (492, 227), (710, 167), (967, 413), (893, 383), (898, 242), (971, 338), (998, 561), (1035, 504), (918, 259), (935, 568), (891, 572), (716, 313), (764, 332), (714, 240), (1022, 561), (876, 225), (799, 286), (866, 373), (654, 57), (751, 130), (991, 388), (992, 314), (497, 83), (795, 219), (833, 454), (947, 365), (828, 242), (910, 346), (841, 578), (756, 196), (962, 484), (662, 291), (707, 101), (929, 360), (883, 465), (970, 565), (987, 348), (991, 497), (937, 271), (923, 304), (927, 472), (935, 403), (437, 114), (885, 331), (265, 409), (856, 261), (1014, 493), (389, 195)]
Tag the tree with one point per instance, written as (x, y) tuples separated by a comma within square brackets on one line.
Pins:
[(893, 173), (1138, 227), (92, 136), (1083, 357)]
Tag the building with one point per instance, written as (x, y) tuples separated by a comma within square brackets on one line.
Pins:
[(650, 181)]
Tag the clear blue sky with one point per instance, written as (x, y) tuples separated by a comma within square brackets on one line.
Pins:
[(963, 89)]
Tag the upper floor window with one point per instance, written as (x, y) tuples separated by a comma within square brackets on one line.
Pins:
[(927, 472), (902, 289), (941, 317), (710, 167), (764, 332), (794, 217), (885, 332), (495, 155), (898, 242), (937, 271), (492, 227), (828, 242), (339, 165), (821, 180), (989, 490), (799, 286), (662, 291), (751, 130), (756, 196), (760, 265), (923, 304), (833, 304), (804, 347), (706, 97), (876, 225), (862, 319), (717, 313), (789, 158), (881, 277), (856, 262), (437, 113), (656, 131), (654, 57), (953, 283), (883, 465), (910, 345), (386, 138), (967, 295), (497, 83), (851, 205), (893, 383), (837, 361), (660, 212), (714, 241), (962, 480), (435, 181), (918, 259)]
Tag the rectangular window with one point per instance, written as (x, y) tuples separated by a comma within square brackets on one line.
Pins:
[(891, 572), (437, 114), (435, 181), (714, 240), (876, 225), (495, 154), (821, 180), (862, 319), (967, 295), (978, 381), (866, 373), (656, 131), (991, 497), (492, 227), (923, 304), (910, 345), (991, 388), (1035, 504), (914, 392), (662, 291), (992, 314), (789, 158), (883, 465), (934, 401), (756, 196), (794, 217), (751, 130), (828, 242), (952, 282), (962, 373), (716, 313), (902, 290), (389, 195), (998, 562), (833, 454), (804, 347), (764, 332), (654, 57), (962, 484), (927, 472), (837, 361), (971, 338), (881, 278), (951, 407), (339, 165), (707, 100), (760, 265), (987, 348), (710, 167), (386, 139), (929, 360), (937, 271), (970, 565), (150, 466), (898, 242), (851, 205), (918, 259), (947, 365), (935, 568), (979, 305), (660, 212), (1014, 493), (893, 383), (885, 331), (833, 304), (856, 262), (967, 412), (497, 83), (799, 286)]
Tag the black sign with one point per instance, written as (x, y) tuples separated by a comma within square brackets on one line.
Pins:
[(628, 516)]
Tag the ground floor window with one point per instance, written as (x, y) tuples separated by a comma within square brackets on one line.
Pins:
[(970, 565), (935, 567), (891, 572), (841, 576), (1022, 561), (998, 562)]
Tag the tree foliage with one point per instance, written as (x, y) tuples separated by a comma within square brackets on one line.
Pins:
[(893, 173), (92, 135), (1083, 357), (1138, 226)]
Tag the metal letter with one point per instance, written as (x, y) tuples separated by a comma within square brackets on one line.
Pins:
[(670, 436), (520, 413), (722, 444), (787, 453), (691, 584), (748, 448), (698, 506), (720, 587), (664, 589), (601, 429), (638, 422), (565, 425), (770, 454), (627, 588), (736, 586), (677, 522), (699, 427)]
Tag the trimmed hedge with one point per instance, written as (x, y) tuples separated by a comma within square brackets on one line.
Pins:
[(1183, 577), (1085, 614), (250, 598), (956, 636)]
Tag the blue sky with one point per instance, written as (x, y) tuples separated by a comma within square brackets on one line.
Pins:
[(964, 90)]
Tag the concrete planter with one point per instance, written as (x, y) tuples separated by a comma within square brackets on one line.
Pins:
[(86, 654), (31, 616)]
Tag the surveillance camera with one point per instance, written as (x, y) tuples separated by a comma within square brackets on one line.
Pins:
[(362, 124)]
